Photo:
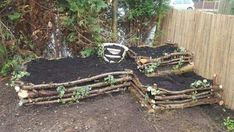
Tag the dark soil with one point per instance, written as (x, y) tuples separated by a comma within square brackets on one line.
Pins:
[(115, 113), (68, 69), (154, 52)]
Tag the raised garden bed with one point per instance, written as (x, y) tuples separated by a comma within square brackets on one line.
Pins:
[(73, 79), (162, 60)]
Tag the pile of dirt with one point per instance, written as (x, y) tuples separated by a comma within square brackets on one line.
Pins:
[(154, 52), (68, 69)]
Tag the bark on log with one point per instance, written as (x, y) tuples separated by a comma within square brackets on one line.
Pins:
[(140, 99), (183, 101), (184, 69), (68, 95), (189, 104), (72, 83), (25, 102), (189, 90), (182, 96), (37, 93)]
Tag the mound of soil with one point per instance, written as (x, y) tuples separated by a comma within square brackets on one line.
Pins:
[(154, 52), (68, 69)]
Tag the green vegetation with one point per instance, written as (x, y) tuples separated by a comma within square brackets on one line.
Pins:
[(26, 26), (229, 124), (200, 83), (81, 15), (87, 52), (81, 93), (152, 67), (145, 14), (153, 91), (180, 64), (61, 91), (110, 79)]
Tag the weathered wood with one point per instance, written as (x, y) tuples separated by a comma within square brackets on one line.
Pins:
[(212, 51), (183, 96), (184, 69), (182, 101), (72, 83), (25, 102), (189, 104), (68, 95), (140, 99)]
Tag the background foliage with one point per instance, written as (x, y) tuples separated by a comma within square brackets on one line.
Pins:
[(26, 25)]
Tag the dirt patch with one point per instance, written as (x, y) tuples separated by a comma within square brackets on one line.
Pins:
[(116, 113), (154, 52), (68, 69)]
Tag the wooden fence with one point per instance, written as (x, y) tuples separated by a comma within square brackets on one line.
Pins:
[(211, 38)]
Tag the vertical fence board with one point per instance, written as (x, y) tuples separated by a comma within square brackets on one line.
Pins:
[(211, 38)]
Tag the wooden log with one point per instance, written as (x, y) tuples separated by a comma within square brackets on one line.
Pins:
[(184, 100), (142, 93), (132, 54), (38, 93), (25, 102), (96, 91), (73, 83), (189, 104), (186, 55), (140, 98), (189, 90), (184, 69), (182, 96)]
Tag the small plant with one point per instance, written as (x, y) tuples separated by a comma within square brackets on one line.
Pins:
[(110, 79), (81, 93), (150, 68), (194, 95), (199, 83), (181, 49), (100, 51), (87, 52), (61, 91), (180, 64), (153, 91), (15, 16), (229, 124), (17, 76)]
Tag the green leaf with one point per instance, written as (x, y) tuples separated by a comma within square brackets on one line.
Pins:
[(14, 17), (87, 52)]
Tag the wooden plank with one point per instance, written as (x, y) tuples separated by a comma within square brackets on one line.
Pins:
[(211, 38)]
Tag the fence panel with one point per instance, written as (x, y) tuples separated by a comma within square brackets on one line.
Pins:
[(211, 38)]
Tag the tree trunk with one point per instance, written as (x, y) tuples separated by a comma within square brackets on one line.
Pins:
[(114, 20)]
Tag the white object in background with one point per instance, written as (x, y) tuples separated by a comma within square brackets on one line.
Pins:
[(115, 52), (182, 4)]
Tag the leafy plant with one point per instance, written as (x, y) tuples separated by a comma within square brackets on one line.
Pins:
[(152, 67), (153, 91), (194, 95), (15, 16), (87, 52), (100, 51), (81, 93), (11, 65), (17, 75), (61, 91), (180, 63), (110, 79), (229, 124), (83, 14), (197, 84)]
